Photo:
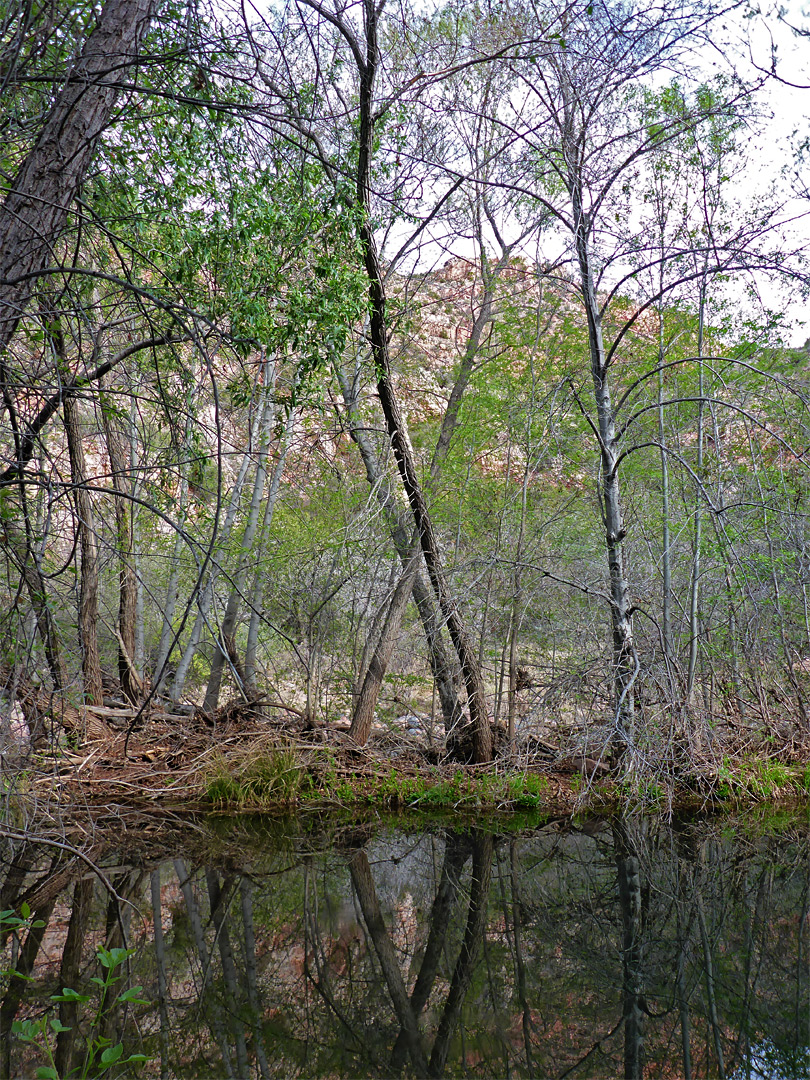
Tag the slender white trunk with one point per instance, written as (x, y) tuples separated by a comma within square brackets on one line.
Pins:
[(206, 595), (257, 597), (625, 662), (135, 462), (666, 543), (221, 653), (694, 591), (167, 630)]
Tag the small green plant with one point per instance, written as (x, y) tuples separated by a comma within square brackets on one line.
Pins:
[(100, 1051), (263, 776), (757, 779), (527, 791), (11, 923)]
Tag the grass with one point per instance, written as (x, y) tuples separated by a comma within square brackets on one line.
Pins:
[(755, 778), (272, 775), (464, 790), (262, 777)]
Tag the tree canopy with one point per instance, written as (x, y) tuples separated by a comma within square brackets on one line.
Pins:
[(377, 362)]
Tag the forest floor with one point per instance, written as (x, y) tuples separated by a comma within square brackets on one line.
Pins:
[(238, 761)]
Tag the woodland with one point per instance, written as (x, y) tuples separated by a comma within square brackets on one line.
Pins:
[(403, 379)]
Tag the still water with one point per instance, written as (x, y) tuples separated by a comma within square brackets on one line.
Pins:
[(593, 948)]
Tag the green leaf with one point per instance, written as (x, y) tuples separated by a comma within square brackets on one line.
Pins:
[(26, 1030), (47, 1072), (57, 1025), (25, 910), (112, 1054), (112, 958), (69, 995), (131, 996)]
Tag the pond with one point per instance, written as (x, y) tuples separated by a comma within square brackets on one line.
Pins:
[(265, 948)]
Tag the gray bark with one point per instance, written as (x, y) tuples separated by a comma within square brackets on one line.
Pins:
[(69, 973), (206, 596), (694, 589), (205, 963), (366, 703), (625, 663), (394, 419), (383, 946), (257, 598), (219, 897), (36, 208), (483, 850), (127, 584), (440, 664), (160, 963), (88, 543), (629, 874), (169, 607), (456, 853), (228, 627), (17, 545), (252, 975)]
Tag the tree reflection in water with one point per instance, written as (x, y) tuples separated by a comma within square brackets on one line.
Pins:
[(598, 949)]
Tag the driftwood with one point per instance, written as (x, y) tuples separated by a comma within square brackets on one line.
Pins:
[(38, 705)]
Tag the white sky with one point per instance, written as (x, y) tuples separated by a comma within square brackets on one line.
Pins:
[(790, 122)]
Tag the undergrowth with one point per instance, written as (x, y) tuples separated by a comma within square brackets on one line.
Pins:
[(272, 775), (261, 776), (755, 778)]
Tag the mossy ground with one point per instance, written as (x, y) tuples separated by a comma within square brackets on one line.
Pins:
[(276, 775), (244, 766)]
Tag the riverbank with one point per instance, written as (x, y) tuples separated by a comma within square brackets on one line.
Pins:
[(243, 763)]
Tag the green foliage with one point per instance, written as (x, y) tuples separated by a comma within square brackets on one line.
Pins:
[(100, 1052), (756, 778), (463, 791), (262, 777)]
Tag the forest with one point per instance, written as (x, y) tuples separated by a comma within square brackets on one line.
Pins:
[(416, 381)]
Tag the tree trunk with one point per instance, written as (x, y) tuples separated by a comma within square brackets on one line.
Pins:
[(456, 853), (483, 850), (257, 597), (629, 875), (694, 589), (267, 412), (625, 664), (88, 543), (403, 455), (375, 672), (252, 976), (36, 208), (160, 964), (172, 591), (366, 703), (69, 973), (19, 979), (394, 420), (128, 590), (363, 884), (440, 664), (206, 593), (17, 545)]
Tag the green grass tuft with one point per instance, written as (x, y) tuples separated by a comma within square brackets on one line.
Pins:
[(260, 776)]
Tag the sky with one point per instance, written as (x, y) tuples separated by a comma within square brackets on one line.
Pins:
[(788, 100)]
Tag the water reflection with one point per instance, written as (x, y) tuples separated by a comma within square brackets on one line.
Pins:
[(600, 949)]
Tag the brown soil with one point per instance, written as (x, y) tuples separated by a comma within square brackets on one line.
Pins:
[(165, 759)]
